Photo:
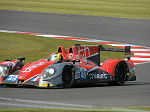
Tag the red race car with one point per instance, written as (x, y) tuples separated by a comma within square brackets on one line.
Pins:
[(81, 64)]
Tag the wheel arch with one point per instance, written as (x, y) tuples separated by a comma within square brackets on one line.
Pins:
[(110, 66)]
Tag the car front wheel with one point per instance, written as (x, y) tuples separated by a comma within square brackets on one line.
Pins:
[(68, 76)]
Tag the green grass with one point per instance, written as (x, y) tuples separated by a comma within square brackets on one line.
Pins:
[(109, 109), (111, 8), (140, 108), (45, 110), (35, 48)]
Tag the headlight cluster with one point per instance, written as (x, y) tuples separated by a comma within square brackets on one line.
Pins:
[(48, 72), (3, 71)]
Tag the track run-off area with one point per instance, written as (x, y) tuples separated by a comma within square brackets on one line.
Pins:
[(111, 31), (141, 53)]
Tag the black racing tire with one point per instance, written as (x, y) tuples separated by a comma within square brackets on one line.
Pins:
[(68, 76), (120, 74)]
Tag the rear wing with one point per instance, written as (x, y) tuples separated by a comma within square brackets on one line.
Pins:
[(94, 51), (127, 50)]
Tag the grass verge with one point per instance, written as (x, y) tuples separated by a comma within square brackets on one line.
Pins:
[(129, 109), (45, 110), (140, 108), (111, 8), (35, 48)]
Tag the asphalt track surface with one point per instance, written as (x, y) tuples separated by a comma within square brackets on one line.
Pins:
[(131, 31)]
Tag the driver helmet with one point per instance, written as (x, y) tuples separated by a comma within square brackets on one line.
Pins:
[(55, 57)]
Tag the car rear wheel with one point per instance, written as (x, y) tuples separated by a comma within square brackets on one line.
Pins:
[(68, 76), (120, 74)]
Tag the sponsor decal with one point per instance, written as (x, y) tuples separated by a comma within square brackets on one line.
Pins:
[(30, 68), (36, 78), (98, 75), (83, 73), (132, 76), (132, 73), (84, 51), (12, 78)]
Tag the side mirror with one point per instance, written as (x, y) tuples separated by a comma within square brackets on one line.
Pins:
[(21, 58)]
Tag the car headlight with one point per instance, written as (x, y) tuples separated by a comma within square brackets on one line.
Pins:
[(51, 71), (48, 72), (3, 71)]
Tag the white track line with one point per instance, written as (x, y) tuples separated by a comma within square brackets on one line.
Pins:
[(140, 49), (122, 45), (140, 59), (54, 105), (51, 36), (45, 102), (142, 54)]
